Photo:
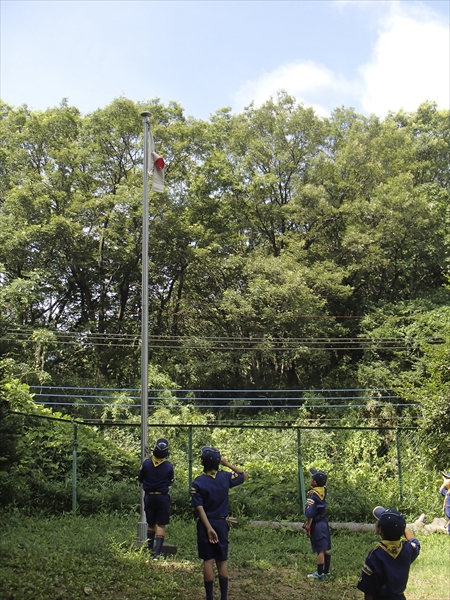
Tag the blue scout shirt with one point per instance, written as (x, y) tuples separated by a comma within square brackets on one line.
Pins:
[(156, 474), (316, 504), (211, 492), (386, 570)]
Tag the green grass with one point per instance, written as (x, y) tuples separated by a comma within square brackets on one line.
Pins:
[(72, 558)]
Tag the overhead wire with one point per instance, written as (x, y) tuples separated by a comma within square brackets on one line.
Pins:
[(196, 398), (221, 343)]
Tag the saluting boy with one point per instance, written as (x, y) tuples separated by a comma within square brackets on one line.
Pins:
[(316, 526), (386, 570), (209, 494), (445, 491), (156, 475)]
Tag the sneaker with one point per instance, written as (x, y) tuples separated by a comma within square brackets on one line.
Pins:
[(327, 575), (316, 575)]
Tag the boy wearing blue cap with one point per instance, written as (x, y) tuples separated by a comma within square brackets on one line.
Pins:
[(386, 570), (316, 526), (209, 496), (156, 475), (445, 491)]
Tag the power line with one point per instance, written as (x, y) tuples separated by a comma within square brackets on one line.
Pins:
[(224, 343), (256, 424), (188, 394), (244, 340), (221, 406)]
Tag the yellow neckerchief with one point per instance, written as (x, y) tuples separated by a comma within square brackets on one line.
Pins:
[(320, 491), (392, 548), (211, 473), (158, 461)]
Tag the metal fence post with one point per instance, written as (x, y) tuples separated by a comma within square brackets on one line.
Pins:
[(74, 470), (190, 457), (301, 479), (399, 462)]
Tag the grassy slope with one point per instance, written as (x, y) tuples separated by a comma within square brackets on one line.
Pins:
[(69, 559)]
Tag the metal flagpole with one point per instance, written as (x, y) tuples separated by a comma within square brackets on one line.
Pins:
[(142, 525)]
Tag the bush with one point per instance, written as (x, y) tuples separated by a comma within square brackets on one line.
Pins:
[(362, 466)]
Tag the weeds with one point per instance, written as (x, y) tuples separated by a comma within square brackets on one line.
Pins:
[(72, 558)]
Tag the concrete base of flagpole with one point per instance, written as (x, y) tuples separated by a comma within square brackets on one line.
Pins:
[(141, 534), (169, 550), (141, 540)]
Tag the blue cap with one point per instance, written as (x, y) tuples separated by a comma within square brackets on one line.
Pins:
[(161, 449), (391, 521), (446, 474), (211, 453), (210, 457), (319, 476)]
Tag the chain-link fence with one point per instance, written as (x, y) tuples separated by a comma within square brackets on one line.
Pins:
[(366, 466)]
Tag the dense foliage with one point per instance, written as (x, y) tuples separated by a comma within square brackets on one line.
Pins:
[(287, 252), (276, 226)]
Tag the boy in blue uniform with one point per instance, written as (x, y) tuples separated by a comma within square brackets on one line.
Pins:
[(209, 494), (386, 570), (316, 526), (156, 475), (445, 491)]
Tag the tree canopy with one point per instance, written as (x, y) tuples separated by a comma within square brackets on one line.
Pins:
[(282, 244)]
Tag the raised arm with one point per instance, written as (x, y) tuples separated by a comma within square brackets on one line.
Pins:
[(225, 463)]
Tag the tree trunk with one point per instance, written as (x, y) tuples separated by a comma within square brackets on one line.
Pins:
[(437, 525)]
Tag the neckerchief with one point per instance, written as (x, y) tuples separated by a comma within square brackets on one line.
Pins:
[(392, 548), (211, 473), (158, 461), (320, 491)]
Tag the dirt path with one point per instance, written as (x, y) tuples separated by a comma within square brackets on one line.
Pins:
[(286, 584)]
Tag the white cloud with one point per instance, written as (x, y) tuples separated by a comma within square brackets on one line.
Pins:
[(410, 63), (301, 80)]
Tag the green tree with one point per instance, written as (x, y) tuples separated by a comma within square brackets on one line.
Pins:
[(354, 207)]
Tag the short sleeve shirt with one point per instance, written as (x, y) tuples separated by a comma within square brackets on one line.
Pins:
[(446, 494), (384, 576), (212, 492), (316, 504), (156, 479)]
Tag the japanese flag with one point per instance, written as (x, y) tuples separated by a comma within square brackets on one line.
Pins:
[(155, 165)]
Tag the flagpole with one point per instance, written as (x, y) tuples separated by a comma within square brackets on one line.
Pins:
[(142, 525)]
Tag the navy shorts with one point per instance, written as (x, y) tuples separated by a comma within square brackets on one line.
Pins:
[(157, 509), (208, 551), (320, 536)]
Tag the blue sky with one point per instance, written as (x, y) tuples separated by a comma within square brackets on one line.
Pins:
[(374, 56)]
